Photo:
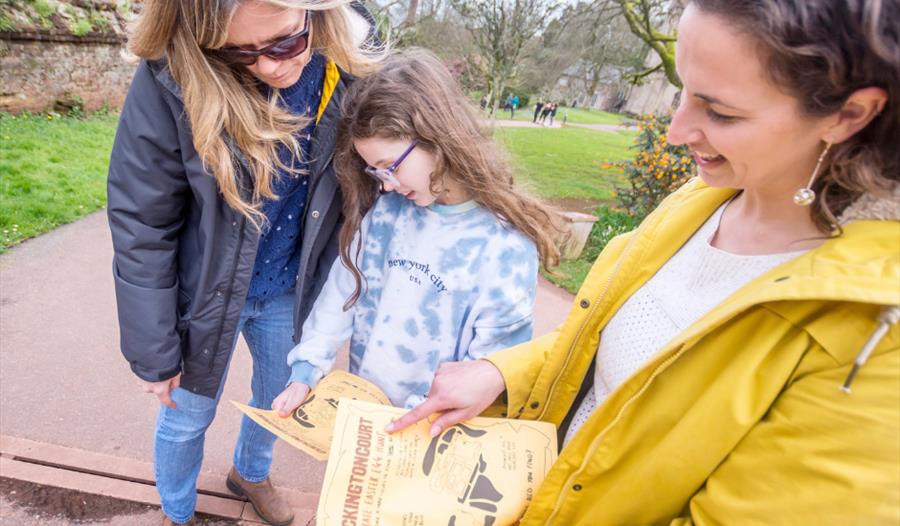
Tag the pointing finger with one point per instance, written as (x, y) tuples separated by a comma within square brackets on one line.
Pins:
[(450, 418), (421, 411)]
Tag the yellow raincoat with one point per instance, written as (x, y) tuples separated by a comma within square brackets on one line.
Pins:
[(740, 419)]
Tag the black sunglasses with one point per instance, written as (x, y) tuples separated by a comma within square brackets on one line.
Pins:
[(282, 49)]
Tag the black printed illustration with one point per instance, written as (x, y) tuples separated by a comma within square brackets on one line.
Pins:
[(322, 412), (455, 465)]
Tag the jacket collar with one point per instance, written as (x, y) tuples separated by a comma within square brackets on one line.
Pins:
[(324, 136), (871, 234), (859, 266)]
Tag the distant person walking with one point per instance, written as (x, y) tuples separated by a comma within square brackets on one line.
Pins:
[(545, 111), (515, 104), (537, 109)]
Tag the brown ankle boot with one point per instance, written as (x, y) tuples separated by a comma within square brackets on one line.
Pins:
[(169, 522), (265, 500)]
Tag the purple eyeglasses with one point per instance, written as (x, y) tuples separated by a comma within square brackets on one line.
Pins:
[(387, 175)]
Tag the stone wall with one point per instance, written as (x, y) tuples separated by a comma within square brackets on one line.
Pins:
[(54, 50), (35, 74)]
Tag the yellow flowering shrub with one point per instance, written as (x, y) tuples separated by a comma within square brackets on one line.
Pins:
[(658, 168)]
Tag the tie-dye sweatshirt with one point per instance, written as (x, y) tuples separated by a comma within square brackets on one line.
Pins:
[(442, 283)]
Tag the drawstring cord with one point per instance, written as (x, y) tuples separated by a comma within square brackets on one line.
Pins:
[(888, 316)]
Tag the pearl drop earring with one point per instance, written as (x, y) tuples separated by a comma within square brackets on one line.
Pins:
[(805, 196)]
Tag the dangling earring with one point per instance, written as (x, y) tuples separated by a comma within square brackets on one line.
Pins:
[(805, 196)]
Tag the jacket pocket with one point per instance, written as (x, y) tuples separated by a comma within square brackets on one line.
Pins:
[(183, 312)]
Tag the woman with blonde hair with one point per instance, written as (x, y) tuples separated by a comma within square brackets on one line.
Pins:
[(736, 359), (224, 208)]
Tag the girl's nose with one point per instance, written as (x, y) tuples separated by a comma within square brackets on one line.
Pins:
[(387, 187)]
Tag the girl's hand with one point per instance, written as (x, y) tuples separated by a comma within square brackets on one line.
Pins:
[(460, 391), (290, 399)]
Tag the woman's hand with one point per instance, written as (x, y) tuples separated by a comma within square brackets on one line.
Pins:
[(290, 399), (162, 390), (460, 391)]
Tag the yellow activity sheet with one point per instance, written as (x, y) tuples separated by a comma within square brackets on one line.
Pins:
[(310, 426), (483, 472)]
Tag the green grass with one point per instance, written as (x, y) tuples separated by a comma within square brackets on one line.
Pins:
[(575, 116), (570, 274), (52, 172), (562, 165), (565, 163), (610, 223)]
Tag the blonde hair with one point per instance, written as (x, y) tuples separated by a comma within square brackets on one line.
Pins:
[(224, 106), (414, 97)]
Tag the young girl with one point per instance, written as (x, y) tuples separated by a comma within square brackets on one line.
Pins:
[(443, 267)]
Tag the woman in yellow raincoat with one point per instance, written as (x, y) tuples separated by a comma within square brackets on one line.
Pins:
[(736, 359)]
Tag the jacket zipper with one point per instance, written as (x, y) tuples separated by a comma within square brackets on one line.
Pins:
[(595, 444), (599, 438), (590, 316), (602, 434), (298, 326), (312, 190), (228, 291)]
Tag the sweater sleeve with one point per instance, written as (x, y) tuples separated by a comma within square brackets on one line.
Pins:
[(505, 310), (328, 326)]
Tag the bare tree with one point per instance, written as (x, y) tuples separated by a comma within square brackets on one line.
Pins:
[(411, 13), (647, 20), (500, 30), (610, 46), (424, 23), (396, 19), (590, 40)]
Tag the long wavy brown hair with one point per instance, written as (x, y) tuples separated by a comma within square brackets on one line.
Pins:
[(821, 51), (414, 96), (223, 104)]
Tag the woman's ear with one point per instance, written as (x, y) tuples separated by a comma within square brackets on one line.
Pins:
[(861, 107)]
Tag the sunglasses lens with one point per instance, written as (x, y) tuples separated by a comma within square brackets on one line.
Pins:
[(288, 48), (237, 56), (283, 50)]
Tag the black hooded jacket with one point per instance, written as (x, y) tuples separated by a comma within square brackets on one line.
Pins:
[(183, 258)]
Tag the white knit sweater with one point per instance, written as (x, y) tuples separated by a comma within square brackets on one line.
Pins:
[(696, 279)]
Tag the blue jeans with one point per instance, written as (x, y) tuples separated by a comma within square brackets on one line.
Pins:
[(268, 327)]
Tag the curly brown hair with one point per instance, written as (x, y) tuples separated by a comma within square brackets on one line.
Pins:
[(821, 51), (414, 96)]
